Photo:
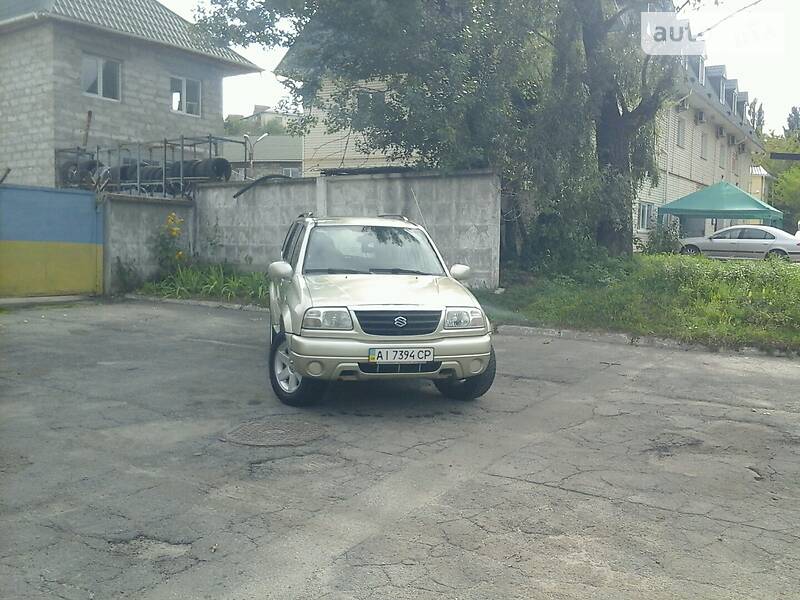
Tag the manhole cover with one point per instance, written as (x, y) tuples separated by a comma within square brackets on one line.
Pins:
[(274, 433)]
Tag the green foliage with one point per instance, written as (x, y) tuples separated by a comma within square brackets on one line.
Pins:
[(253, 127), (793, 122), (717, 303), (169, 245), (555, 95), (215, 282), (663, 238)]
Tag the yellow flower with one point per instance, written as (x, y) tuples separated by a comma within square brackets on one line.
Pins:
[(179, 255)]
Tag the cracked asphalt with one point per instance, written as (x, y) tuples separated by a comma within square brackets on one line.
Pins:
[(590, 469)]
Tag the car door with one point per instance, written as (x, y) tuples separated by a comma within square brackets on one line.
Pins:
[(277, 287), (753, 243), (721, 244)]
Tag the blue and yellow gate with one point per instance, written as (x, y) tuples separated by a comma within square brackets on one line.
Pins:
[(51, 242)]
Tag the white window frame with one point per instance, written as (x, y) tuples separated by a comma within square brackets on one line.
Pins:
[(101, 60), (680, 133), (287, 171), (704, 145), (646, 210), (701, 71), (183, 81)]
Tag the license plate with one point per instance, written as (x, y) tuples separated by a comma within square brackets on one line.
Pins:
[(400, 355)]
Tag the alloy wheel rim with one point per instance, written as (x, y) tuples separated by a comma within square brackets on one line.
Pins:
[(285, 375)]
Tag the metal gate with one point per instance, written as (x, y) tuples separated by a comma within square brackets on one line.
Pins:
[(51, 242)]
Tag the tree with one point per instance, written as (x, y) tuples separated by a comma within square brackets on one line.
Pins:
[(785, 196), (793, 122), (554, 94), (254, 127), (755, 114)]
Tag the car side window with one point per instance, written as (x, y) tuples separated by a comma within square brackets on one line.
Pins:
[(287, 241), (753, 234), (725, 235), (297, 243)]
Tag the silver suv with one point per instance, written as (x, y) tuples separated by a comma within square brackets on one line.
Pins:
[(371, 298)]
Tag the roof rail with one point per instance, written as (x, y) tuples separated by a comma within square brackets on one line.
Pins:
[(401, 217)]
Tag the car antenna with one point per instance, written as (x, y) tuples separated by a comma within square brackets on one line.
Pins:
[(419, 209)]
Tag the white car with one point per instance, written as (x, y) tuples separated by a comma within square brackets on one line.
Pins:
[(752, 242)]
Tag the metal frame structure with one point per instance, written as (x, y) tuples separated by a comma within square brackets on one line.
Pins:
[(164, 153)]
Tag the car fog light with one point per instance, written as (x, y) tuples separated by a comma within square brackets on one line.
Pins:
[(476, 365), (315, 368)]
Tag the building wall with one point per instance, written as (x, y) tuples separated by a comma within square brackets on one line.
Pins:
[(323, 150), (759, 187), (42, 105), (26, 105), (682, 170), (144, 112)]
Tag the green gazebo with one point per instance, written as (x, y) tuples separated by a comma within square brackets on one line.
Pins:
[(723, 201)]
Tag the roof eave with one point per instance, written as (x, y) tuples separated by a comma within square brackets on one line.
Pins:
[(235, 67)]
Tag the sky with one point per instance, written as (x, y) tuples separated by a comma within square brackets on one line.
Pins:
[(757, 46)]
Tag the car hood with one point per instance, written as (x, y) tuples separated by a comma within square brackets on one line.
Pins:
[(395, 290)]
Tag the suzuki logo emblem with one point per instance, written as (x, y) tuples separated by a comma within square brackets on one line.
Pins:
[(400, 322)]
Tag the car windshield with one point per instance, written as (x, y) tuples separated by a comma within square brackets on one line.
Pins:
[(370, 249)]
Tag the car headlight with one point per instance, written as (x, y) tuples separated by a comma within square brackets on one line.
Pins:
[(327, 318), (464, 318)]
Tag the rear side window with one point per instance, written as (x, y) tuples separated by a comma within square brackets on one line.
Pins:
[(287, 242), (297, 242), (755, 234)]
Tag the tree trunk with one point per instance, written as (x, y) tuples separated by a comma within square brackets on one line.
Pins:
[(613, 137)]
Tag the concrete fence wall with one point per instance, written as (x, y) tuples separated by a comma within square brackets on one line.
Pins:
[(132, 224), (460, 210)]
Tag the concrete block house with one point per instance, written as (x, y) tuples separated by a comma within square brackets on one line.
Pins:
[(99, 73)]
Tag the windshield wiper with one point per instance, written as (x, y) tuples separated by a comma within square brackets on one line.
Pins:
[(396, 271), (337, 271)]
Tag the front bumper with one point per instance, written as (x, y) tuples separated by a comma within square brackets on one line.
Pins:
[(339, 358)]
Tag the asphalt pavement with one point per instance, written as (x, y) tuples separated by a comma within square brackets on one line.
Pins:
[(143, 455)]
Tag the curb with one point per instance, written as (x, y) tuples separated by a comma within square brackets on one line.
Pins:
[(633, 340), (203, 303), (43, 301)]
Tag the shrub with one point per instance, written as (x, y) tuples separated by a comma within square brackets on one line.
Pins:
[(691, 299), (664, 238)]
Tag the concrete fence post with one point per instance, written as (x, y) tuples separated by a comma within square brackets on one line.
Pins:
[(322, 197)]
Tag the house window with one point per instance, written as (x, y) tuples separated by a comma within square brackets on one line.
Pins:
[(646, 213), (100, 77), (368, 103), (701, 70), (291, 171), (681, 133), (723, 155), (704, 146), (185, 95)]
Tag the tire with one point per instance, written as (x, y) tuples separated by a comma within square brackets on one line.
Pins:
[(471, 387), (777, 255), (690, 251), (294, 390)]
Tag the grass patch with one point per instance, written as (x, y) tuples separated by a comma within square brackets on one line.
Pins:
[(719, 304), (214, 282)]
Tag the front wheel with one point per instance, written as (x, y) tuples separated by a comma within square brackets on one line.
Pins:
[(690, 250), (471, 387), (289, 386)]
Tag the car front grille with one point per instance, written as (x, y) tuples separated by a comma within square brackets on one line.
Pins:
[(394, 368), (398, 322)]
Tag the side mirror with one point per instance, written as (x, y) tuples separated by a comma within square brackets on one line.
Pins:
[(460, 272), (280, 270)]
